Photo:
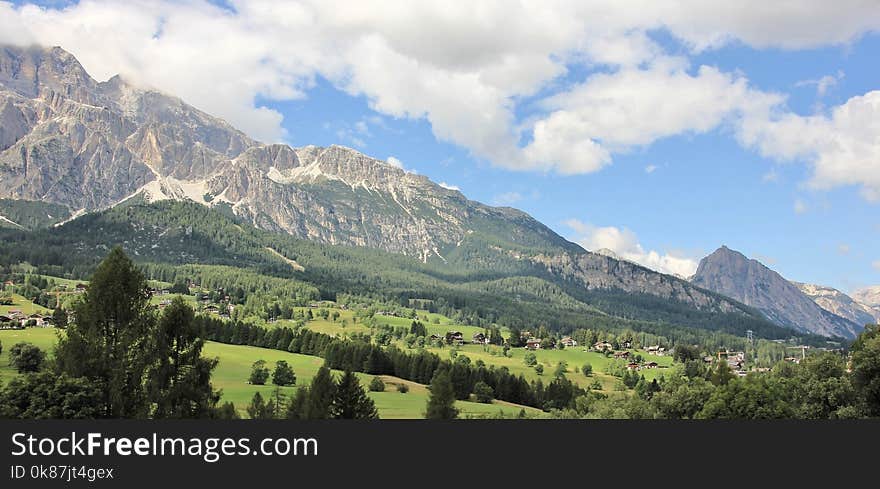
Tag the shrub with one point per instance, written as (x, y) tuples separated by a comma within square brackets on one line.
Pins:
[(376, 385)]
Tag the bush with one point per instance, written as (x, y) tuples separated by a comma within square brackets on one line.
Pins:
[(539, 369), (587, 369), (259, 373), (26, 357), (402, 388), (483, 392), (376, 385)]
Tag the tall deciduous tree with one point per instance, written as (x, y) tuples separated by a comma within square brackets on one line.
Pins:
[(283, 374), (866, 369)]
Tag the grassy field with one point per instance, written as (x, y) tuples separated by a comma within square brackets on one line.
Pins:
[(574, 357), (25, 306), (44, 338), (234, 368)]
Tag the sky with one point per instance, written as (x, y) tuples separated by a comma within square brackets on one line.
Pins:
[(659, 130)]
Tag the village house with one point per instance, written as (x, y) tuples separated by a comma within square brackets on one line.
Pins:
[(632, 366), (568, 341), (650, 365), (533, 344), (621, 354), (602, 346), (454, 337), (481, 339), (80, 288)]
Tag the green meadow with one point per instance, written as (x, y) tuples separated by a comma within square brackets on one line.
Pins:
[(234, 369)]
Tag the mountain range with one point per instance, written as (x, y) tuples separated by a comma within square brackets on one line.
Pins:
[(71, 146)]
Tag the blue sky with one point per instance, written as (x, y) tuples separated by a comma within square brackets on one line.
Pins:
[(659, 133), (704, 190)]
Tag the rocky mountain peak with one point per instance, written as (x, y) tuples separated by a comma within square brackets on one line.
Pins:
[(731, 273)]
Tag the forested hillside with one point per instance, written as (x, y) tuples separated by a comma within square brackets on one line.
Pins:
[(483, 284)]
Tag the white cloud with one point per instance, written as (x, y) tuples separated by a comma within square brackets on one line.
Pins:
[(625, 244), (491, 55), (507, 198), (391, 160), (822, 84), (448, 186), (650, 169), (843, 147), (876, 265), (800, 207)]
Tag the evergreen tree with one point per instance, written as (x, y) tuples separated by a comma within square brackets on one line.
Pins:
[(226, 411), (350, 401), (259, 409), (441, 403), (321, 392), (296, 408), (59, 317), (180, 379), (109, 342)]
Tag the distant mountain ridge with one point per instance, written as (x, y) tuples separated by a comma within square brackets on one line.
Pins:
[(747, 280), (68, 140), (840, 304)]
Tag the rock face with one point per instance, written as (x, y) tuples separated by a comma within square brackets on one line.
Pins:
[(869, 296), (68, 139), (731, 273), (840, 304)]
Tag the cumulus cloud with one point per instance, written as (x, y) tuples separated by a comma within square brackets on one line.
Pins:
[(650, 169), (625, 244), (465, 66), (391, 160)]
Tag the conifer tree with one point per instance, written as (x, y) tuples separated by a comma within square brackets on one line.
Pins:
[(350, 401), (109, 341), (321, 392), (441, 403)]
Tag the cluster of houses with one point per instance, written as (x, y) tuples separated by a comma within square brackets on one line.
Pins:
[(15, 319), (736, 360), (535, 343)]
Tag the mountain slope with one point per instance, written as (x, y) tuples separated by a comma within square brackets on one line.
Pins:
[(498, 289), (731, 273), (840, 304), (72, 141)]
